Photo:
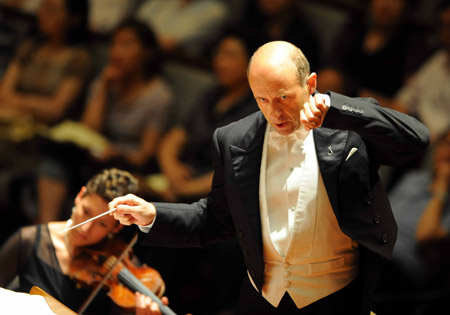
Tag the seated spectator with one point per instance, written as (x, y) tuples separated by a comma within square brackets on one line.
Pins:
[(376, 52), (184, 156), (48, 73), (129, 104), (106, 15), (420, 258), (427, 95), (206, 281), (282, 20), (433, 228), (184, 25)]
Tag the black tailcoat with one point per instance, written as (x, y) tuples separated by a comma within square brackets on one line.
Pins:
[(361, 206)]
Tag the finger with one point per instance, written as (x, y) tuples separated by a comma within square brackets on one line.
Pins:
[(312, 114), (126, 209), (148, 304), (125, 219), (165, 300), (140, 305), (307, 120), (304, 121), (320, 102), (129, 199), (117, 201), (154, 308), (313, 106)]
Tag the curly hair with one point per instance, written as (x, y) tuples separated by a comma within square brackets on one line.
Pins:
[(112, 183)]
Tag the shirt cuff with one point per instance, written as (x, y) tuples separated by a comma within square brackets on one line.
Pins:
[(327, 99), (147, 228)]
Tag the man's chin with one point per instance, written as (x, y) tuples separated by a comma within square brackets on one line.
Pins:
[(284, 129)]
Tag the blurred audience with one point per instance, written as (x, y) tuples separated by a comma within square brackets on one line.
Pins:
[(48, 73), (420, 258), (283, 20), (44, 82), (29, 6), (184, 156), (129, 104), (186, 26), (427, 94), (376, 52), (106, 15)]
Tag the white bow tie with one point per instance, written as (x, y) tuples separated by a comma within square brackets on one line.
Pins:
[(279, 141)]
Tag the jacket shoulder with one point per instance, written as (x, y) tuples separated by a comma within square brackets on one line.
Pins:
[(236, 131)]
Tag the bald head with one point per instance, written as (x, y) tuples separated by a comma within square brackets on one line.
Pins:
[(279, 56)]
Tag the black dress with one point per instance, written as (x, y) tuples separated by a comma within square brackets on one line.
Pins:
[(30, 255)]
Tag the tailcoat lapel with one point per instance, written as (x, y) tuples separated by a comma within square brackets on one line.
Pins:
[(330, 145), (246, 161)]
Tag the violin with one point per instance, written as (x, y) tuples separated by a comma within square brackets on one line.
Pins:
[(109, 264)]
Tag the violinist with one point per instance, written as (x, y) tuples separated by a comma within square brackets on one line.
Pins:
[(41, 257)]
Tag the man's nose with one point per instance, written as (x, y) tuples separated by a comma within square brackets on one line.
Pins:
[(276, 108)]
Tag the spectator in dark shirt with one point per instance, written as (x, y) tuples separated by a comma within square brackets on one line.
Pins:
[(373, 56), (185, 156), (282, 20), (129, 105)]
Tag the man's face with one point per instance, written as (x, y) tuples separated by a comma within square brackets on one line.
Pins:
[(280, 97)]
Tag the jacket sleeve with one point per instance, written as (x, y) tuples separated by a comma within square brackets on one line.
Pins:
[(198, 224), (395, 137)]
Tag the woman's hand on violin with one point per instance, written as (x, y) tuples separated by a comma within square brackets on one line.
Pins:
[(131, 209), (145, 305)]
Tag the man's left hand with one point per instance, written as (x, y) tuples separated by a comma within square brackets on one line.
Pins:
[(314, 111)]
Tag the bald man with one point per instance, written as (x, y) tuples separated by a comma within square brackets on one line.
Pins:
[(297, 183)]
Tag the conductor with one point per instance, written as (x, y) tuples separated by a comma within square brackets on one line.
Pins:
[(297, 183)]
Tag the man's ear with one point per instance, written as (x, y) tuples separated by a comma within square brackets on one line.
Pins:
[(311, 83)]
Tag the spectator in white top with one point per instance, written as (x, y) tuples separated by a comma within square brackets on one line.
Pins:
[(130, 105), (427, 93), (185, 25)]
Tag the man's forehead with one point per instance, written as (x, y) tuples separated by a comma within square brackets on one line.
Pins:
[(263, 72)]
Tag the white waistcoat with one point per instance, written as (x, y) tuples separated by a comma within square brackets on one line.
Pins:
[(305, 252)]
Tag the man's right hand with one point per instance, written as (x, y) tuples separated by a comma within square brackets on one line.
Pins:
[(133, 210)]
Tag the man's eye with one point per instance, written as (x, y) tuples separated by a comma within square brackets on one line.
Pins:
[(283, 97), (262, 99)]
